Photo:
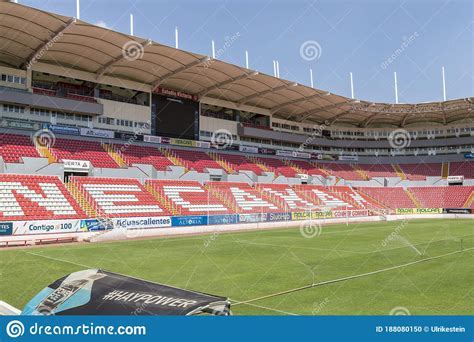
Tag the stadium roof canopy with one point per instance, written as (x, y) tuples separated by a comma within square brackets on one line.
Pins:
[(28, 35)]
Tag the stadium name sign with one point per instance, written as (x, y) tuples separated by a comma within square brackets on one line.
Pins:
[(142, 222)]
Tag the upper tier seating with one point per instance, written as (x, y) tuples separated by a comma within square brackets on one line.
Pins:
[(239, 162), (82, 150), (196, 160), (421, 171), (308, 168), (278, 167), (391, 197), (13, 147), (135, 154), (243, 198), (31, 197), (188, 197), (118, 197), (378, 170), (345, 171), (464, 168), (442, 197)]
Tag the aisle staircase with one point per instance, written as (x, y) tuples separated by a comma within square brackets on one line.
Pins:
[(219, 160), (413, 198), (399, 171), (469, 201), (114, 154), (44, 150), (445, 170), (85, 205), (174, 158), (360, 172), (168, 204)]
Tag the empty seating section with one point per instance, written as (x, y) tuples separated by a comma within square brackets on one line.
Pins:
[(243, 198), (286, 196), (188, 197), (442, 197), (117, 197), (30, 197), (421, 171), (278, 167), (13, 147), (195, 160), (393, 197), (357, 199), (464, 168), (345, 171), (82, 150), (135, 154), (239, 162), (325, 197), (378, 170), (308, 168)]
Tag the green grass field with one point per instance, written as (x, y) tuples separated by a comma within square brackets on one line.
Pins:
[(244, 266)]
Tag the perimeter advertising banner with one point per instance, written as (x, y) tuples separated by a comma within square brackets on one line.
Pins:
[(308, 215), (418, 211), (253, 218), (350, 213), (45, 227), (6, 228), (142, 222), (222, 219), (183, 221)]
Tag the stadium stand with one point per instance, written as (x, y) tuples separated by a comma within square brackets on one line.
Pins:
[(116, 197), (378, 170), (277, 166), (14, 147), (243, 198), (393, 197), (442, 197), (187, 197), (135, 154), (421, 171), (344, 171), (82, 150), (195, 160), (238, 162), (465, 169), (286, 195), (33, 197)]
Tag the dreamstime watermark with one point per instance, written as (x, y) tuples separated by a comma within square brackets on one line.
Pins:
[(318, 307), (44, 138), (132, 50), (45, 49), (393, 235), (228, 42), (135, 135), (310, 50), (399, 311), (406, 42), (15, 329), (317, 132), (310, 229), (222, 139), (399, 139)]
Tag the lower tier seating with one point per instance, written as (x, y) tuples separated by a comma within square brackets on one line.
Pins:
[(390, 197), (33, 197), (82, 150), (118, 197)]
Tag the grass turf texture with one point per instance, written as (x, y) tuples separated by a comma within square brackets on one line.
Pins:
[(247, 265)]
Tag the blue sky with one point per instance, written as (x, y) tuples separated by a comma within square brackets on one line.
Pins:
[(357, 36)]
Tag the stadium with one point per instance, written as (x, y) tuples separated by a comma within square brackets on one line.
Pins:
[(122, 154)]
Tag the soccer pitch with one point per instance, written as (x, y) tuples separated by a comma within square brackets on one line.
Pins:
[(247, 265)]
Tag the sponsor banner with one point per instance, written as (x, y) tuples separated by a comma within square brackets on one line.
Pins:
[(128, 136), (174, 93), (142, 222), (195, 220), (59, 129), (182, 142), (350, 213), (45, 227), (222, 219), (455, 179), (76, 165), (263, 150), (416, 211), (90, 225), (202, 144), (152, 139), (252, 218), (279, 217), (6, 228), (457, 211), (21, 124), (349, 158), (97, 133), (293, 154), (469, 155), (248, 149), (165, 140), (311, 215)]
